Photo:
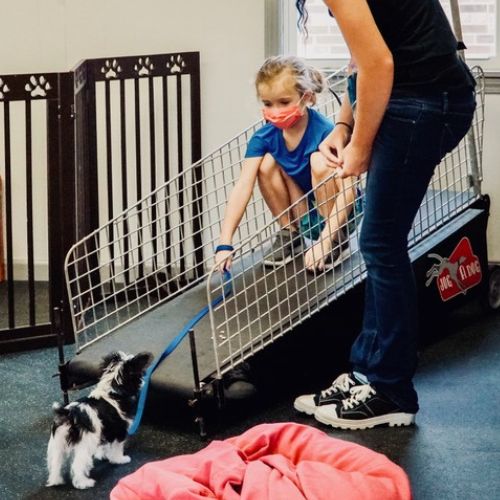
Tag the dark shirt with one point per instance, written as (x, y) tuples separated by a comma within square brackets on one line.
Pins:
[(422, 44)]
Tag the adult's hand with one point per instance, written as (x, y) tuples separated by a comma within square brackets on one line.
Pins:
[(355, 161)]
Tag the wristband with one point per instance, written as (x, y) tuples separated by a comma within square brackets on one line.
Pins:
[(346, 125), (220, 248)]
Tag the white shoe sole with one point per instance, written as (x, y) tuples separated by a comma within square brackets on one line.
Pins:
[(277, 264), (391, 419), (303, 406)]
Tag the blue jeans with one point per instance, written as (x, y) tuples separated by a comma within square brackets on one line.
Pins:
[(413, 137)]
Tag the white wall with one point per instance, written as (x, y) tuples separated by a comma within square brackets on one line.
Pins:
[(491, 177), (53, 35)]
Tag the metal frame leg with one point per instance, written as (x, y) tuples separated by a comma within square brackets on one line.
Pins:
[(197, 402), (63, 365)]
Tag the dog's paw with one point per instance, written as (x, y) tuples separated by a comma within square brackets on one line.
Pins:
[(125, 459), (84, 483), (54, 481)]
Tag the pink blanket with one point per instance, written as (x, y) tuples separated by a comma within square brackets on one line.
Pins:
[(283, 461)]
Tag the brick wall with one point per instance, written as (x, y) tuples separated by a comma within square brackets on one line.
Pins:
[(325, 41)]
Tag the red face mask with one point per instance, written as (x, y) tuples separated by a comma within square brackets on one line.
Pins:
[(286, 118)]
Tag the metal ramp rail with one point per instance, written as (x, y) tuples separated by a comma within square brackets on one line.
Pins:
[(136, 281)]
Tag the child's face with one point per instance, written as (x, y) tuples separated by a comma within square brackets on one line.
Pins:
[(279, 93)]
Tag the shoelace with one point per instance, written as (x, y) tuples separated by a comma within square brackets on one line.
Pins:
[(358, 395), (342, 382)]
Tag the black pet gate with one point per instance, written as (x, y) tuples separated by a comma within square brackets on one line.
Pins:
[(36, 120), (83, 145)]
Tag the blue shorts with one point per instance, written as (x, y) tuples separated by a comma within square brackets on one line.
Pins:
[(312, 223)]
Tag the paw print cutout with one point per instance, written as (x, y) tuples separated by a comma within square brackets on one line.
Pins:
[(37, 87), (111, 69), (144, 67), (4, 89), (176, 64)]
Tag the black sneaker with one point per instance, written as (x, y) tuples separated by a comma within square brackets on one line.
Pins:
[(338, 391), (238, 382), (286, 246), (366, 408)]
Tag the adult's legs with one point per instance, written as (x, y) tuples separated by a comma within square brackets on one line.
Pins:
[(412, 139)]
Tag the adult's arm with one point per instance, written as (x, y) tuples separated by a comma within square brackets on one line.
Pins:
[(333, 145), (374, 80)]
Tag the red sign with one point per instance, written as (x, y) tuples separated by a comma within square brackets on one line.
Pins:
[(457, 273)]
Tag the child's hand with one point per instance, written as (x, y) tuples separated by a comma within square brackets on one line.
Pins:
[(223, 260), (333, 145)]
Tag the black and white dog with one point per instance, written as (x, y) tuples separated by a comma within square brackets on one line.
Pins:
[(96, 426)]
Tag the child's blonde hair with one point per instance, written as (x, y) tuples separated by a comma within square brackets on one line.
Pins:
[(307, 78)]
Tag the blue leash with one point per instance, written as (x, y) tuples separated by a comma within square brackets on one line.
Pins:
[(170, 348)]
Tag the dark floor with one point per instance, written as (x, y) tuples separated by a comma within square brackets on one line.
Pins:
[(452, 453)]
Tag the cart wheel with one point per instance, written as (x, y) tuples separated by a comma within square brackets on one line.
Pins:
[(494, 288)]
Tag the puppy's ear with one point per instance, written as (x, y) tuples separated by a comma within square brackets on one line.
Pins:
[(112, 357), (139, 362)]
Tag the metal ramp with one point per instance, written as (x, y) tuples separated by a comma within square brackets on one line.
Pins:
[(137, 280)]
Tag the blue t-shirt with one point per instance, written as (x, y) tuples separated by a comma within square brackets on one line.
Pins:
[(296, 163)]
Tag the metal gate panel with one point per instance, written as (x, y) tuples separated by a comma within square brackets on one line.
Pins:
[(136, 124), (34, 118), (138, 130)]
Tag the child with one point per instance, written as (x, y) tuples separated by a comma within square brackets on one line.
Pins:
[(283, 156)]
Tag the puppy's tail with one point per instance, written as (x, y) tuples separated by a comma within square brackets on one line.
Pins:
[(77, 419)]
